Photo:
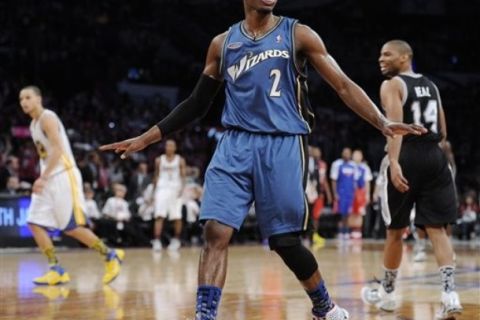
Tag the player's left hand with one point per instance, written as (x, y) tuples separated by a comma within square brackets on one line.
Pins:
[(38, 185), (391, 129), (126, 147), (129, 146)]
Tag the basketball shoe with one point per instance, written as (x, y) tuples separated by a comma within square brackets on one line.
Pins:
[(113, 264), (420, 256), (56, 275), (174, 245), (449, 306), (379, 298), (156, 245), (336, 313), (318, 241)]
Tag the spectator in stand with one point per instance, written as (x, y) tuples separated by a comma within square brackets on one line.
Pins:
[(117, 209), (91, 207), (100, 172), (85, 170), (361, 200), (12, 186), (318, 191), (146, 203), (468, 216), (11, 168), (139, 181)]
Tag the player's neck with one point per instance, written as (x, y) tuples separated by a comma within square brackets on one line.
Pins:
[(35, 114), (170, 156), (407, 71), (257, 24)]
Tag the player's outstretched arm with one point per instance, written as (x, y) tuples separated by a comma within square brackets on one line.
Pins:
[(192, 108), (310, 45)]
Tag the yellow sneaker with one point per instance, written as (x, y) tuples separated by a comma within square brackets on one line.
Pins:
[(113, 265), (56, 275), (318, 241)]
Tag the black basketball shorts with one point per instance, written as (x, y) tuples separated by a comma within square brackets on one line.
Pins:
[(432, 189)]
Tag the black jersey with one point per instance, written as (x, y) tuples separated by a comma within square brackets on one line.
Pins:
[(421, 106)]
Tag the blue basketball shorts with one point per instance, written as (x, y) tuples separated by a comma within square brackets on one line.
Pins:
[(345, 204), (265, 170)]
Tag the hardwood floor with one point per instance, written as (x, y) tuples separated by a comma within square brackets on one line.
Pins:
[(162, 285)]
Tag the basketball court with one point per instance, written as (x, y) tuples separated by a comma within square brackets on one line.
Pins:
[(259, 287)]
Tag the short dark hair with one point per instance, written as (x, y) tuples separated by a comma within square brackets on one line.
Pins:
[(402, 46), (35, 89)]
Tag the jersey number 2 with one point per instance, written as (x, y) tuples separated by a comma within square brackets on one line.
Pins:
[(430, 115), (276, 74)]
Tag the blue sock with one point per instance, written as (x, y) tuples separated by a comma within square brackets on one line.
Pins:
[(321, 300), (208, 299)]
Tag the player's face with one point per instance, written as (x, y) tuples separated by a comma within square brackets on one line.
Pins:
[(389, 60), (347, 154), (170, 147), (29, 100), (357, 156), (262, 6)]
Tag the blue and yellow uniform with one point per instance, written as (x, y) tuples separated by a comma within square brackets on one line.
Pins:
[(261, 156)]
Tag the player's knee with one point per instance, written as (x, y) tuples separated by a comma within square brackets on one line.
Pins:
[(298, 258), (435, 231), (217, 236), (34, 227), (72, 232), (396, 234)]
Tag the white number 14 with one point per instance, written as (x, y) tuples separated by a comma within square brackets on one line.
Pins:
[(430, 115)]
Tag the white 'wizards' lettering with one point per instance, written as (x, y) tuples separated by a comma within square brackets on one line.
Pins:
[(248, 62)]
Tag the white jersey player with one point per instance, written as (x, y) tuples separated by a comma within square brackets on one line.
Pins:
[(169, 182), (58, 201)]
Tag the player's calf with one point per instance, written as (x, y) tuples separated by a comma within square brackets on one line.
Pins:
[(303, 264)]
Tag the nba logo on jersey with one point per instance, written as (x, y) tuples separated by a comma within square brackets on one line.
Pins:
[(278, 39)]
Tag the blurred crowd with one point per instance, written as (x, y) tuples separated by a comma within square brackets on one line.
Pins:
[(78, 53)]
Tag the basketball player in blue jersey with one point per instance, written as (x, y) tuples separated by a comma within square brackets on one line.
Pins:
[(343, 185), (261, 156)]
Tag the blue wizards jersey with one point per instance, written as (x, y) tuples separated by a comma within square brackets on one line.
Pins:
[(265, 89)]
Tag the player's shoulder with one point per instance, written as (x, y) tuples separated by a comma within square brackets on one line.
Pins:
[(47, 113), (337, 162), (303, 31), (48, 117), (395, 83), (219, 39), (217, 43), (392, 81)]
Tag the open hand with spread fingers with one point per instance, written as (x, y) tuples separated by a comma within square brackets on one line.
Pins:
[(138, 143), (126, 147), (390, 129)]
